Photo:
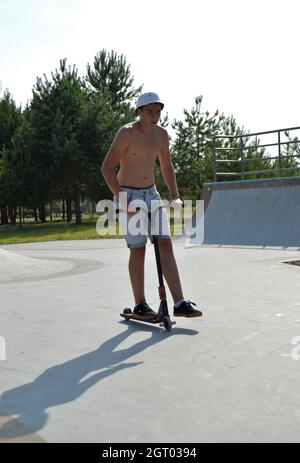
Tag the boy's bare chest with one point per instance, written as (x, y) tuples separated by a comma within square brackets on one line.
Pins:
[(145, 146)]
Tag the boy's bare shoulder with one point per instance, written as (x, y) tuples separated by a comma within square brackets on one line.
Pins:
[(127, 128), (124, 134), (163, 132)]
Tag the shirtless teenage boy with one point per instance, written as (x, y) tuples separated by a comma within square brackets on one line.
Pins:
[(136, 147)]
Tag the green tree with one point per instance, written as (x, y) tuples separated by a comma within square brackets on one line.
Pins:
[(98, 128), (56, 114), (192, 149), (242, 156), (110, 76), (73, 125), (111, 92), (290, 161), (10, 121), (17, 173)]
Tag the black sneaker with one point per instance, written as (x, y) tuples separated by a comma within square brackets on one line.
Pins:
[(186, 310), (144, 312)]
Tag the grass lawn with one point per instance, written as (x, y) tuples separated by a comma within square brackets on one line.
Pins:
[(51, 231)]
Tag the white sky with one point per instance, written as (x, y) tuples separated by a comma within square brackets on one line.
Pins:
[(242, 56)]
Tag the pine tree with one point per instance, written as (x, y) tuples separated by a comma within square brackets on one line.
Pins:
[(10, 120), (192, 150), (56, 116), (111, 77)]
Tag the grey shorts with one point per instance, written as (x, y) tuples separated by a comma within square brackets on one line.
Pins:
[(136, 227)]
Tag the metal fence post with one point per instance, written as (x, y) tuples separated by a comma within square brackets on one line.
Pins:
[(214, 158), (279, 155), (242, 158)]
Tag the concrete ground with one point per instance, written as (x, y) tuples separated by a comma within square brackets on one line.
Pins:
[(71, 370)]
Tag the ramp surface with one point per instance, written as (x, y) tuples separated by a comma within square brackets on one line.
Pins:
[(254, 212)]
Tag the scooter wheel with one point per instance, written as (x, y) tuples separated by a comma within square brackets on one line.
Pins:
[(167, 323), (127, 311)]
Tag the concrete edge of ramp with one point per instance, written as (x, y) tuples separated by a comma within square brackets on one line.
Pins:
[(208, 188)]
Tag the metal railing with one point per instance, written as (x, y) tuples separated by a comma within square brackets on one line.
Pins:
[(243, 160)]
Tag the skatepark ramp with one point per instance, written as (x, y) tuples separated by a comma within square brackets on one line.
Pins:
[(262, 212), (15, 267)]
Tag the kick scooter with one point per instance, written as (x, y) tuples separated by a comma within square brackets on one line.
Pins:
[(162, 317)]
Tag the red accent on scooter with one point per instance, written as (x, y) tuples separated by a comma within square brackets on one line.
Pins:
[(162, 292)]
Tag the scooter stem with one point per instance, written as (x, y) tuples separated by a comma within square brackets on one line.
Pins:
[(161, 289)]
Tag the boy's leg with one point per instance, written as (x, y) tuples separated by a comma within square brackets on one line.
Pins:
[(170, 270), (136, 272), (182, 308)]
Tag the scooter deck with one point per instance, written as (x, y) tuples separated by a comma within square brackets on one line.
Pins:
[(133, 316), (166, 322)]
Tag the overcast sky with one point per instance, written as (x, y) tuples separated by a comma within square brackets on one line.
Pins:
[(242, 56)]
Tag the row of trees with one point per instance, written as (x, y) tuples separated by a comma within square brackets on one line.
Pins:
[(53, 148)]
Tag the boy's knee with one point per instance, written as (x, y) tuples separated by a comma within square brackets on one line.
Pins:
[(139, 250)]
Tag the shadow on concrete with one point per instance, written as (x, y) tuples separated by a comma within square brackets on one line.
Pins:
[(66, 382)]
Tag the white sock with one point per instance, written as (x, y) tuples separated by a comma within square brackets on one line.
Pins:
[(177, 304)]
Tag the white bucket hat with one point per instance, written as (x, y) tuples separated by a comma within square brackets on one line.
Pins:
[(148, 98)]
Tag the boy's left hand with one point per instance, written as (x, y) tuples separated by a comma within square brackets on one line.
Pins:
[(176, 203)]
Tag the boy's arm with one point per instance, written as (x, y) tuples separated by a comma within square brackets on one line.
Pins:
[(167, 167), (114, 154)]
